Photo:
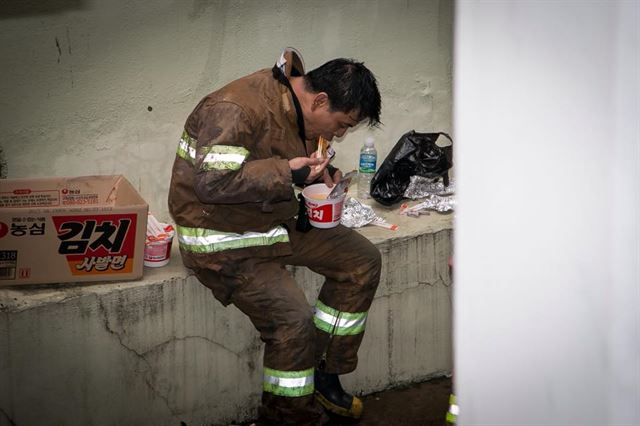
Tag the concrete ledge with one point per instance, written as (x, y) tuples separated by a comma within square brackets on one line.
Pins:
[(162, 350)]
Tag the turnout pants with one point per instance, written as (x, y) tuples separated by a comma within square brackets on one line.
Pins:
[(298, 337)]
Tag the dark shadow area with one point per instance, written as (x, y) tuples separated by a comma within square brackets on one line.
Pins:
[(420, 404), (24, 8)]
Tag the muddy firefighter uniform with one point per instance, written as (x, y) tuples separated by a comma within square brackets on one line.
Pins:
[(233, 201)]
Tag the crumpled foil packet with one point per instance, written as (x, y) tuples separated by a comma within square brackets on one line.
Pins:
[(442, 204), (420, 187), (356, 215)]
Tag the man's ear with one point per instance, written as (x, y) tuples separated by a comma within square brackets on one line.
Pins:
[(319, 100)]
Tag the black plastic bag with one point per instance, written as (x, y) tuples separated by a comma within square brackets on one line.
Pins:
[(414, 154)]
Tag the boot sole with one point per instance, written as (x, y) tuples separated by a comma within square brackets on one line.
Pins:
[(354, 412)]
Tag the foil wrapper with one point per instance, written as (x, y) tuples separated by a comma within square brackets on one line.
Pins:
[(420, 187), (442, 204), (355, 214)]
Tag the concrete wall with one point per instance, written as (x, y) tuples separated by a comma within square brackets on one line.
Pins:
[(547, 289), (163, 351), (91, 87)]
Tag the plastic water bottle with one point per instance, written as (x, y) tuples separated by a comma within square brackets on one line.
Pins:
[(367, 167)]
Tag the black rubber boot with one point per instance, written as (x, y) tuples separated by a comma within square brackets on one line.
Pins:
[(332, 397)]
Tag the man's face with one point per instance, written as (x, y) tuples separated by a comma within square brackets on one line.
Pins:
[(321, 121)]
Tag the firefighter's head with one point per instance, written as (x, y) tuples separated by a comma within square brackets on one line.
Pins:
[(337, 96)]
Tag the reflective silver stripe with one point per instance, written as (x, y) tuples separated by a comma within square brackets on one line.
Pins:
[(214, 157), (342, 322), (452, 413), (338, 323), (185, 147), (288, 383), (200, 240), (223, 157)]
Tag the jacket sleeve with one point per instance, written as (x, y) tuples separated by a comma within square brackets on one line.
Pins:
[(225, 171)]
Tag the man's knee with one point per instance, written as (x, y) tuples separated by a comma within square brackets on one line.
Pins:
[(371, 265), (296, 325), (376, 258)]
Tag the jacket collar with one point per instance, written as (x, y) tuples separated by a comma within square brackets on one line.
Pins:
[(291, 64)]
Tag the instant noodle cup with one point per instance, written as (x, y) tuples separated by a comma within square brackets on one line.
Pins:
[(322, 212), (158, 252)]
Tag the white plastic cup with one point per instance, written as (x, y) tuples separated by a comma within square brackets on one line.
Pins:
[(323, 213), (157, 253)]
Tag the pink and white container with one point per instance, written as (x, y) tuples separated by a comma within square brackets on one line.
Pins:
[(322, 212), (157, 253), (157, 246)]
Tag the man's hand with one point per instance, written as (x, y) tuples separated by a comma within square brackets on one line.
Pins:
[(316, 167), (300, 162), (320, 169), (328, 180)]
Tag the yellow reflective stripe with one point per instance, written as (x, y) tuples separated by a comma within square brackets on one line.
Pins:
[(288, 383), (339, 323), (186, 151), (224, 157), (223, 161), (187, 147), (200, 240), (454, 410), (219, 157)]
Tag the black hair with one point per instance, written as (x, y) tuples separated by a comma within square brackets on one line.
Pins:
[(350, 86)]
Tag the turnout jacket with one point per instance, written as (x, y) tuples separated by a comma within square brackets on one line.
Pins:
[(231, 185)]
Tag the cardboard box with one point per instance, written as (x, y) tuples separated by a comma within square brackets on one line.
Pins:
[(73, 229)]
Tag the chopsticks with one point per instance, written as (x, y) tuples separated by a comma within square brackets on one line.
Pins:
[(323, 144), (322, 147)]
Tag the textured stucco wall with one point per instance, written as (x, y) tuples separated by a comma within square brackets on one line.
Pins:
[(93, 87)]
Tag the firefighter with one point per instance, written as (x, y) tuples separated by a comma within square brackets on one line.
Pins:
[(243, 149)]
